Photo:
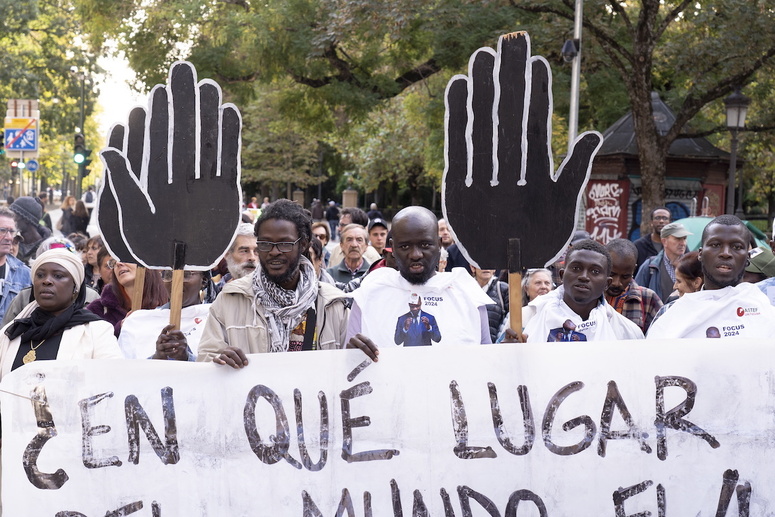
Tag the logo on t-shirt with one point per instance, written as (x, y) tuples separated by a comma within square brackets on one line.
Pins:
[(747, 311)]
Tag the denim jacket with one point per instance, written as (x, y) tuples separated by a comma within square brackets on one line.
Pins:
[(17, 278)]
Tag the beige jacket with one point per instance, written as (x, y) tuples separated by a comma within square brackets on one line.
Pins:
[(234, 322), (93, 340)]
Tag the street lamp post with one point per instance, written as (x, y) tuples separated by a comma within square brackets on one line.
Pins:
[(571, 53), (81, 76), (737, 109)]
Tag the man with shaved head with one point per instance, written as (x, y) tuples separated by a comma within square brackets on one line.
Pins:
[(725, 307), (378, 316)]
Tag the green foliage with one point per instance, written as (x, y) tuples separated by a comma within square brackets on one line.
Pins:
[(352, 53), (274, 150), (336, 64), (41, 42), (386, 148)]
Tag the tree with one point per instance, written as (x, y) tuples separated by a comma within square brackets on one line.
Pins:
[(275, 150), (348, 56), (693, 52), (41, 43), (387, 150), (759, 169)]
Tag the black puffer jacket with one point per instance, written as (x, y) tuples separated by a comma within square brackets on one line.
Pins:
[(499, 292)]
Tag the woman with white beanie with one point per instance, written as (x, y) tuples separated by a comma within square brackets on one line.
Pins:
[(55, 325)]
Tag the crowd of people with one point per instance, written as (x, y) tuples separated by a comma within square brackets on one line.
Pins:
[(284, 285)]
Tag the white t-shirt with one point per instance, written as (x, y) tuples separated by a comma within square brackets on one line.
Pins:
[(141, 329), (453, 303), (550, 319), (742, 310)]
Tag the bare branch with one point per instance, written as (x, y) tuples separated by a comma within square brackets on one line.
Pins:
[(241, 3), (672, 15), (418, 73), (694, 102), (724, 129), (596, 31), (619, 10)]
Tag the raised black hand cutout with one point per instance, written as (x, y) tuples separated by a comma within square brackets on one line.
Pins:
[(499, 181), (173, 174)]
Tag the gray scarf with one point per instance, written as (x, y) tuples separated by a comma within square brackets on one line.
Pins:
[(285, 309)]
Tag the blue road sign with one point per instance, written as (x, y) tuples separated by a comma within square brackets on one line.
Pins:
[(32, 165), (28, 141)]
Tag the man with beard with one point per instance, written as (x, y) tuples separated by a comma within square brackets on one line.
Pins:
[(455, 298), (281, 306), (735, 308), (242, 257)]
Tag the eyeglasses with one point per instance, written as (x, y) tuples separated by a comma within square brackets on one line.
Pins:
[(6, 231), (166, 275), (284, 247)]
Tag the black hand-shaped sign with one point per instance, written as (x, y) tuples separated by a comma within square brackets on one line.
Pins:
[(173, 176), (499, 181)]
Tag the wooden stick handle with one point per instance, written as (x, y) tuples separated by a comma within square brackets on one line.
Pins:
[(515, 302), (137, 293), (176, 297), (515, 286)]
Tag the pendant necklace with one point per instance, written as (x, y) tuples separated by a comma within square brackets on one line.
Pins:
[(31, 355)]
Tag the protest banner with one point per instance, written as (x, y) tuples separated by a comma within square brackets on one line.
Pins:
[(627, 428)]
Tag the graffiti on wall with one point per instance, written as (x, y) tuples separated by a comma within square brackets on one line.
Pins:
[(606, 214)]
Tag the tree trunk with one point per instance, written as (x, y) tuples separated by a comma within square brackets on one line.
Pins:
[(394, 196), (652, 147)]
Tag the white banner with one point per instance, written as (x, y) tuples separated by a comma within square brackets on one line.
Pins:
[(598, 429)]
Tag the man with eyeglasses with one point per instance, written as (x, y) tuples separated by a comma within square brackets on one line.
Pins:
[(281, 306), (14, 275), (651, 244)]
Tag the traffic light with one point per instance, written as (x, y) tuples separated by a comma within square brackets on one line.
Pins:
[(16, 165), (2, 144), (79, 149), (81, 154), (84, 165)]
